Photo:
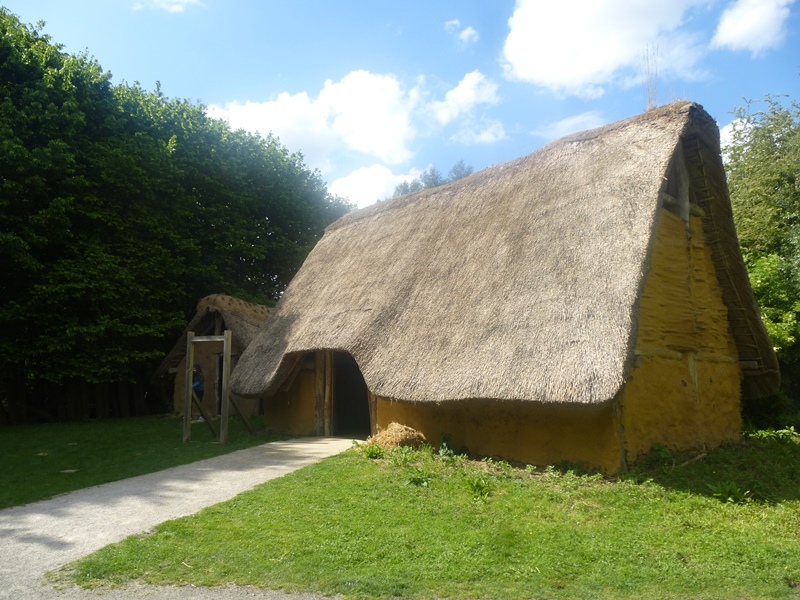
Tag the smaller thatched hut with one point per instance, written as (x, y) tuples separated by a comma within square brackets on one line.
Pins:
[(215, 314)]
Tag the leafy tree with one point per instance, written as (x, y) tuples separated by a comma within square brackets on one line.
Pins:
[(763, 164), (459, 171), (431, 178), (119, 208), (407, 187)]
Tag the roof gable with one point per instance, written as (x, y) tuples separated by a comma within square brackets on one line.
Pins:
[(243, 319)]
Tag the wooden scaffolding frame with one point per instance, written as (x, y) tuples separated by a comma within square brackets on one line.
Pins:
[(228, 400)]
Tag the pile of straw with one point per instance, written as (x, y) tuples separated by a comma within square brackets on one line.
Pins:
[(397, 435)]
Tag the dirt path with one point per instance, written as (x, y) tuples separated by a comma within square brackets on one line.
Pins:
[(40, 537)]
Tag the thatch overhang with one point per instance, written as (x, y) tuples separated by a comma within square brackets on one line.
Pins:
[(216, 313), (520, 282)]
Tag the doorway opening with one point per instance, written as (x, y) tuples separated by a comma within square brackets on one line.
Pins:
[(350, 398)]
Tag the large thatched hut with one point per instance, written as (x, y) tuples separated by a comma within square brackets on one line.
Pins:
[(579, 304), (214, 315)]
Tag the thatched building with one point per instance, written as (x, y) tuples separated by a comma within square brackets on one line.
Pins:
[(579, 304), (215, 314)]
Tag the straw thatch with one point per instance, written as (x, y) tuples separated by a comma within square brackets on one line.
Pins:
[(396, 435), (520, 282), (216, 313)]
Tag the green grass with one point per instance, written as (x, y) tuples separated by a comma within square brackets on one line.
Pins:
[(40, 461), (421, 524)]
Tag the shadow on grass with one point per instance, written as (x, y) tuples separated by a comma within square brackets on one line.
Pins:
[(763, 467)]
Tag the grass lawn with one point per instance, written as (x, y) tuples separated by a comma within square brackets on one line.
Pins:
[(40, 461), (424, 524)]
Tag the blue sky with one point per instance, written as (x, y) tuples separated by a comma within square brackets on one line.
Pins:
[(372, 92)]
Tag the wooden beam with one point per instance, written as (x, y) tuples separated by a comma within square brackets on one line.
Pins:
[(238, 410), (328, 412), (187, 388), (204, 414), (670, 201), (696, 210), (319, 391), (226, 392), (296, 368), (372, 400)]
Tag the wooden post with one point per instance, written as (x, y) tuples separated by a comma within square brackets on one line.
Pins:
[(241, 414), (319, 390), (204, 414), (372, 400), (226, 392), (187, 388), (328, 412)]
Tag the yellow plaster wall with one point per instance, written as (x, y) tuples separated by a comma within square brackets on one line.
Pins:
[(293, 411), (527, 432), (685, 387)]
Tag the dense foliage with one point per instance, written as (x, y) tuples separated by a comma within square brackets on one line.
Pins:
[(763, 164), (120, 208)]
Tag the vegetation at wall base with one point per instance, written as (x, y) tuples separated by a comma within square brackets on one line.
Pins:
[(426, 524), (40, 461)]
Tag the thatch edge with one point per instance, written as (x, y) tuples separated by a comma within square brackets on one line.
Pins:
[(212, 304)]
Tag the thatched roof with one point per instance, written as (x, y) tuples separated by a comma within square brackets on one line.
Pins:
[(520, 282), (218, 311)]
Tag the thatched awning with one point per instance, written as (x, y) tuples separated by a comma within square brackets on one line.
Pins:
[(520, 282), (244, 319)]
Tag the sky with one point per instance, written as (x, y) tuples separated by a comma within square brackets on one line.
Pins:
[(373, 92)]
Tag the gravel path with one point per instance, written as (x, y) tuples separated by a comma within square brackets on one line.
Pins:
[(43, 536)]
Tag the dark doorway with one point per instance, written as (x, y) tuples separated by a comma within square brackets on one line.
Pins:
[(350, 403)]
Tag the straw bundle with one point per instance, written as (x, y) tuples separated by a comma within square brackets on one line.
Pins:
[(397, 435)]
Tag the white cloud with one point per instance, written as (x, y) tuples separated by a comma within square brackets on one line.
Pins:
[(468, 35), (726, 133), (363, 112), (368, 115), (295, 119), (452, 26), (474, 89), (171, 6), (581, 122), (485, 132), (579, 48), (366, 185), (755, 25)]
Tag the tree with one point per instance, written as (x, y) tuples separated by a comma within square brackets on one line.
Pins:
[(763, 165), (119, 208), (459, 171), (431, 178)]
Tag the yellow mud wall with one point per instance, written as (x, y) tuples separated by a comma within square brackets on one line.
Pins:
[(684, 389), (526, 432), (293, 411)]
